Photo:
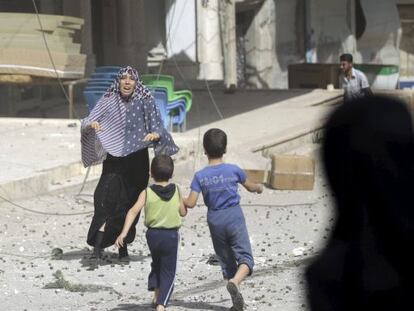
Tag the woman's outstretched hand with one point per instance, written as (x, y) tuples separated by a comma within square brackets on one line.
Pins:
[(152, 137), (96, 126)]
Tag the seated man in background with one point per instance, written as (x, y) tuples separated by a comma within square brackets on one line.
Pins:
[(353, 81)]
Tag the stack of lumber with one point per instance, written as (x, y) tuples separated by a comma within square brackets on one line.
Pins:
[(23, 50)]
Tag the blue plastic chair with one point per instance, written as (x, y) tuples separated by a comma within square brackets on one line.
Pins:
[(176, 110), (104, 75), (98, 84), (110, 69), (96, 88), (92, 98), (161, 101), (178, 113)]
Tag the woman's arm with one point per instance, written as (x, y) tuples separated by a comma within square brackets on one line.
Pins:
[(153, 120), (92, 120), (130, 217)]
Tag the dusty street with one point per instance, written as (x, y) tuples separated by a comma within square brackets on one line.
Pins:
[(286, 228)]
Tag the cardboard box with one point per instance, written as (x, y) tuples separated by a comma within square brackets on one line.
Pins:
[(257, 176), (255, 165), (292, 172)]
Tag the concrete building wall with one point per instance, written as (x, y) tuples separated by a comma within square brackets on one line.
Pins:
[(123, 33), (156, 25), (260, 47), (83, 10), (274, 39), (406, 12), (381, 39), (332, 23)]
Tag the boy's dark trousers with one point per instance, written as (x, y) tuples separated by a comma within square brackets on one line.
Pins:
[(163, 245)]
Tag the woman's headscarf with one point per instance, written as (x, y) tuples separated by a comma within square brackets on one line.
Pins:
[(140, 91), (124, 123)]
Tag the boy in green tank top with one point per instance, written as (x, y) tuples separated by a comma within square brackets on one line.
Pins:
[(163, 209)]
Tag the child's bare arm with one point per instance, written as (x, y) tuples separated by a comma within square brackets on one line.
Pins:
[(183, 209), (191, 200), (253, 187), (130, 217)]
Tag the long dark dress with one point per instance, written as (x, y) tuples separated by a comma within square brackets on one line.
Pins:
[(121, 182)]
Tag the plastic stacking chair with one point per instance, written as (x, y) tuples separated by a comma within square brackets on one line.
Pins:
[(98, 84), (92, 97), (155, 80), (167, 82), (160, 98), (105, 69), (178, 114), (104, 75), (175, 110)]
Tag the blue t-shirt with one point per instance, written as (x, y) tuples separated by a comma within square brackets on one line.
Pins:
[(219, 185)]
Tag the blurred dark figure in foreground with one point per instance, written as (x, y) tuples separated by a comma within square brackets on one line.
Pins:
[(368, 155)]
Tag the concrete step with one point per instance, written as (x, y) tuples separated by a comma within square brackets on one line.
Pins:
[(46, 181)]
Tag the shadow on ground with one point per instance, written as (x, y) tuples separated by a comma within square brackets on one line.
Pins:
[(205, 107), (177, 303), (88, 261)]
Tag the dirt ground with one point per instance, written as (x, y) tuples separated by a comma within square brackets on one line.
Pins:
[(287, 228)]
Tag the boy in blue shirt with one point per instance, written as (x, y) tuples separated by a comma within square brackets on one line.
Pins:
[(218, 182)]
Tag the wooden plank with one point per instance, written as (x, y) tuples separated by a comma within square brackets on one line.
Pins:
[(35, 37), (27, 22), (13, 79), (72, 48), (26, 27), (38, 63), (63, 32), (61, 19), (28, 79), (62, 72), (24, 56)]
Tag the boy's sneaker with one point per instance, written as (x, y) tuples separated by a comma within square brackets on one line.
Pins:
[(236, 297)]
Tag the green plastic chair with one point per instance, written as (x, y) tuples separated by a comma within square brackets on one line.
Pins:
[(167, 82), (158, 80)]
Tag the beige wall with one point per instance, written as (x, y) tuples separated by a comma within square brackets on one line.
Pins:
[(406, 13)]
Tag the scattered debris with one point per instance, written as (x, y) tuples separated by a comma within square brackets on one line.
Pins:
[(57, 253), (61, 283), (212, 260), (299, 251)]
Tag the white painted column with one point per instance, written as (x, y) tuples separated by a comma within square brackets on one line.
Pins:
[(209, 50)]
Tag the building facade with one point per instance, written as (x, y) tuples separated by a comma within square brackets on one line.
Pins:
[(246, 43)]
